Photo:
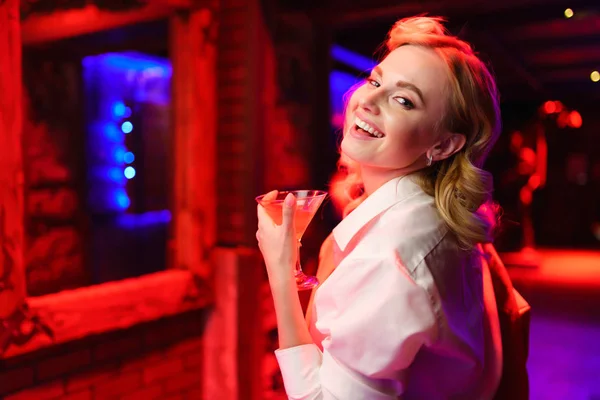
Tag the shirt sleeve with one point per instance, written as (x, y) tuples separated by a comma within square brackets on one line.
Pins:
[(375, 318)]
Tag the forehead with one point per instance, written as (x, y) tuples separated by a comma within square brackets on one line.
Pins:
[(418, 65)]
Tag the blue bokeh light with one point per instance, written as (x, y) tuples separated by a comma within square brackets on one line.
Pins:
[(129, 172), (119, 109), (127, 127), (114, 174), (122, 200), (116, 82), (128, 157), (102, 176), (119, 154), (107, 133)]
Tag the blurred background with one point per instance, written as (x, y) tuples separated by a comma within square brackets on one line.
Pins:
[(148, 127)]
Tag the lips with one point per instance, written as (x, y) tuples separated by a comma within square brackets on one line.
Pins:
[(360, 134), (368, 127)]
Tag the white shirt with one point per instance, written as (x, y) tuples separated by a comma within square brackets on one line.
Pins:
[(403, 315)]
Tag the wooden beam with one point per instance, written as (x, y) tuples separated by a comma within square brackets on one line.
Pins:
[(527, 45), (12, 274), (583, 66), (565, 57), (496, 14), (37, 29), (194, 52), (79, 313), (582, 24), (510, 17), (356, 15), (571, 74), (234, 341)]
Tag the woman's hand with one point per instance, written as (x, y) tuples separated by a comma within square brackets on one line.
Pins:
[(278, 243)]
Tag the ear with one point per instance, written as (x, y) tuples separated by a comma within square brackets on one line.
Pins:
[(451, 144)]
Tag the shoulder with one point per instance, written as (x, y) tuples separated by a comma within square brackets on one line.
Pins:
[(453, 280), (429, 252), (450, 266), (412, 229)]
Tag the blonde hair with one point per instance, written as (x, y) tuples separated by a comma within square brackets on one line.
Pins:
[(461, 188)]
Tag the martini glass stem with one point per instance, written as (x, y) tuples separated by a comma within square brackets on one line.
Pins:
[(303, 282), (298, 266)]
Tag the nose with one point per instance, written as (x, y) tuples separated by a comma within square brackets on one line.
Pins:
[(369, 102)]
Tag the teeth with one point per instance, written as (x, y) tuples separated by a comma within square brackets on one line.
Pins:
[(368, 128)]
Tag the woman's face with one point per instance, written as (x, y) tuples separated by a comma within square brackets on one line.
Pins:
[(391, 118)]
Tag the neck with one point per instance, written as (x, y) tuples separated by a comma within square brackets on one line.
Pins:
[(373, 178)]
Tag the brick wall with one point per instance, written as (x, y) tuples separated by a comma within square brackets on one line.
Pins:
[(158, 360), (265, 114), (236, 123)]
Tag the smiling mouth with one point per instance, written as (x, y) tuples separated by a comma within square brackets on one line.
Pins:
[(368, 129)]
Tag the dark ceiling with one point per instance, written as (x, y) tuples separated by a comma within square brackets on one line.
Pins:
[(535, 51)]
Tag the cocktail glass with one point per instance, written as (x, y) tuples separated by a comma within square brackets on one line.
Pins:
[(307, 204)]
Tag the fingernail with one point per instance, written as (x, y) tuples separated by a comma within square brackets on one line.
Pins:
[(289, 200)]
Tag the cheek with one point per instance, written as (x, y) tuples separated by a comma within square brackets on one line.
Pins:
[(353, 97), (404, 145), (401, 132), (408, 130)]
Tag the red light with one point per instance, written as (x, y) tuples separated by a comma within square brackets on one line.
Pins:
[(575, 119), (516, 141), (563, 119), (525, 196), (558, 106), (534, 182), (549, 107), (527, 155)]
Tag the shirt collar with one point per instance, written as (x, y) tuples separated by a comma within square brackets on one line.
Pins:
[(390, 193)]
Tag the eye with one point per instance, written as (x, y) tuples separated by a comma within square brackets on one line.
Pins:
[(405, 102), (373, 82)]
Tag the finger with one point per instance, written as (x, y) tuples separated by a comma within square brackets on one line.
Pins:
[(264, 219), (289, 208), (261, 214), (272, 195)]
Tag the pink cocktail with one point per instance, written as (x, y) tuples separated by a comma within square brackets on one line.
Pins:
[(307, 204)]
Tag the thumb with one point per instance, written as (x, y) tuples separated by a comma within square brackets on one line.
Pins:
[(289, 208)]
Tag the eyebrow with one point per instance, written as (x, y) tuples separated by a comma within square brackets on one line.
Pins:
[(403, 84)]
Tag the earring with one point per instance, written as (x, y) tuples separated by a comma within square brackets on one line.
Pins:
[(429, 160)]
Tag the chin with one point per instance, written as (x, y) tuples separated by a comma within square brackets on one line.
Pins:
[(349, 149), (357, 150)]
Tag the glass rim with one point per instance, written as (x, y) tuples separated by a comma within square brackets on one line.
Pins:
[(318, 193)]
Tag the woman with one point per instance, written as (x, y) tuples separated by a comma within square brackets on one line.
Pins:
[(408, 310)]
